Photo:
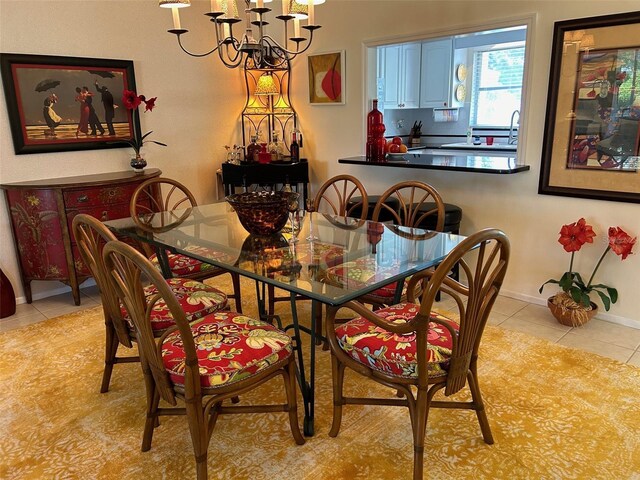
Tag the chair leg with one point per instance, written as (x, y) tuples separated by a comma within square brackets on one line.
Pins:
[(150, 422), (337, 369), (199, 435), (289, 374), (419, 425), (318, 312), (235, 280), (479, 407), (111, 349)]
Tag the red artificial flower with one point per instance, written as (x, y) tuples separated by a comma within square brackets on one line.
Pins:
[(574, 235), (130, 100), (149, 104), (621, 242)]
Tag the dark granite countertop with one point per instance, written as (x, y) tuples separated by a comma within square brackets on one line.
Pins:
[(462, 162)]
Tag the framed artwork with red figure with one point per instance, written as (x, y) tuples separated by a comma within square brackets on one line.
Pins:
[(591, 143), (327, 78), (58, 104)]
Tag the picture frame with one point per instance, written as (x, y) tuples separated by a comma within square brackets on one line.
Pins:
[(48, 114), (327, 78), (591, 146)]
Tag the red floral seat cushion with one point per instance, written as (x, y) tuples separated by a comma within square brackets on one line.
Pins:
[(183, 265), (230, 347), (196, 299), (363, 272), (395, 354)]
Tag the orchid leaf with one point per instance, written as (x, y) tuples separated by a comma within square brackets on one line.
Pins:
[(146, 135), (548, 281), (158, 143)]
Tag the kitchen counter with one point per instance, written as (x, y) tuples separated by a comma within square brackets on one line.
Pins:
[(479, 162)]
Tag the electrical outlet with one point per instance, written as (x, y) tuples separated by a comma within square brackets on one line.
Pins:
[(400, 123)]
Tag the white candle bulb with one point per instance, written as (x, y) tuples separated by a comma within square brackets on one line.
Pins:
[(296, 28), (176, 18), (311, 13)]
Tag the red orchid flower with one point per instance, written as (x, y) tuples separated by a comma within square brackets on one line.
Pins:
[(574, 235), (150, 104), (130, 100), (621, 242)]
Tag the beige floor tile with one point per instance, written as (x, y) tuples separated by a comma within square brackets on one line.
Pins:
[(539, 315), (508, 306), (635, 359), (596, 346), (608, 332), (13, 322), (92, 292), (541, 331), (52, 312), (62, 304), (24, 310), (496, 318)]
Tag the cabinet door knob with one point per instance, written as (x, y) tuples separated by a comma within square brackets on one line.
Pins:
[(83, 198), (105, 216)]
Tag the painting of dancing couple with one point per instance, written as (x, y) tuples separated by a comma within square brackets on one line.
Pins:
[(67, 103)]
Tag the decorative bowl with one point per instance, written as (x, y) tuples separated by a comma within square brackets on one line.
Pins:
[(262, 213)]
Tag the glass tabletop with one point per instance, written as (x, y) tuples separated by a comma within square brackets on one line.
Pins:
[(334, 260)]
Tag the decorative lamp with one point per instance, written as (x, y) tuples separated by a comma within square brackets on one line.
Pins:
[(266, 85), (259, 50)]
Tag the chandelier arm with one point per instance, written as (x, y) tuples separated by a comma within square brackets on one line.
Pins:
[(293, 53), (231, 62), (195, 54)]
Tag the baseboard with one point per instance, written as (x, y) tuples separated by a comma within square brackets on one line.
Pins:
[(627, 322), (55, 291)]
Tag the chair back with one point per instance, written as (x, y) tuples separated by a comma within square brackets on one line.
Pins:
[(130, 271), (335, 197), (91, 236), (160, 194), (413, 197), (483, 258)]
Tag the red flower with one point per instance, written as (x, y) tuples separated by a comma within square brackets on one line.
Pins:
[(130, 100), (574, 235), (620, 242), (150, 104)]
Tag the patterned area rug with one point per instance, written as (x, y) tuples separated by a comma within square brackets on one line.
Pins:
[(555, 412)]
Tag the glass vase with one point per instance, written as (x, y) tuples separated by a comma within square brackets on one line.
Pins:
[(138, 163)]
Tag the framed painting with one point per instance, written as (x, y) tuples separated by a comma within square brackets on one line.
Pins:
[(327, 78), (58, 104), (591, 143)]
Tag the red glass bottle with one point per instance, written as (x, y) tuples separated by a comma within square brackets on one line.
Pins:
[(374, 119)]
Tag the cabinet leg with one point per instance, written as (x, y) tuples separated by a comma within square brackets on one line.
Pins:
[(75, 290), (27, 290)]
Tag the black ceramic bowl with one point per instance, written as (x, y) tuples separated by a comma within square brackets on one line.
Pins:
[(262, 213)]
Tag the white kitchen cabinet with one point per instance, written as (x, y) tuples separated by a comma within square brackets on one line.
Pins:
[(436, 73), (400, 69)]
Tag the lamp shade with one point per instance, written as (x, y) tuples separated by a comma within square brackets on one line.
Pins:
[(266, 85), (306, 2), (297, 10), (174, 3)]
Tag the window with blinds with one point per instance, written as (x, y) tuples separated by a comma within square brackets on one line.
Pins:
[(497, 86)]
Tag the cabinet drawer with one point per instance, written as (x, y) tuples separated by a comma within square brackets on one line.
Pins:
[(99, 196), (102, 213)]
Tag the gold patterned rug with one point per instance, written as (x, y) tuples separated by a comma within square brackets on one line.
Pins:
[(555, 412)]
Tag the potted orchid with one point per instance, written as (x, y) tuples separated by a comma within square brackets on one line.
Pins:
[(574, 304), (132, 101)]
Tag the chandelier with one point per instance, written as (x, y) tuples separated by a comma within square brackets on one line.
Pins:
[(261, 51)]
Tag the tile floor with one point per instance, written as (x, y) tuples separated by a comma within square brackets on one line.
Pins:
[(598, 336)]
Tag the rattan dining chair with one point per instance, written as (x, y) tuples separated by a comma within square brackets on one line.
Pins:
[(196, 298), (202, 363), (411, 348), (335, 196), (167, 195)]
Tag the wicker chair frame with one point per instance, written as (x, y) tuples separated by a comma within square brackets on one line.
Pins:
[(128, 268), (490, 249)]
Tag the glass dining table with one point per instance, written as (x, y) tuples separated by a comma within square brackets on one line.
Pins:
[(328, 259)]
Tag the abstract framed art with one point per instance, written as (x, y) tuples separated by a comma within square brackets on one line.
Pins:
[(591, 143), (58, 104), (327, 78)]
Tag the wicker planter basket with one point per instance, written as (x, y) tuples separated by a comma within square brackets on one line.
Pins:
[(568, 312)]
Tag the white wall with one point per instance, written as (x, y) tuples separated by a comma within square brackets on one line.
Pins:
[(199, 103)]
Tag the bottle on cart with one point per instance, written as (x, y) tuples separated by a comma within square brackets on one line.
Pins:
[(294, 149), (272, 148), (253, 149)]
